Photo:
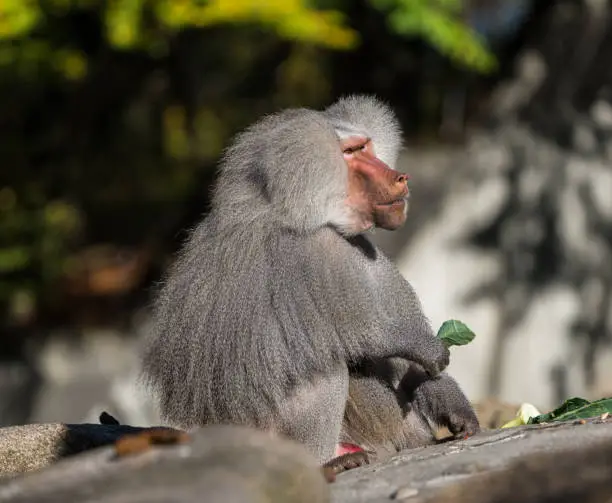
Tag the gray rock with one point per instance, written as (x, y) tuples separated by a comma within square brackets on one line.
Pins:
[(34, 446), (528, 464), (554, 463), (219, 463)]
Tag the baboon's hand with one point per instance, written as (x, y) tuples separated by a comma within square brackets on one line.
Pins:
[(463, 423), (443, 403), (349, 461), (434, 357)]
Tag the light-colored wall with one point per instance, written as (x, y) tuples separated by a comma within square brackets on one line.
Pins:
[(443, 269)]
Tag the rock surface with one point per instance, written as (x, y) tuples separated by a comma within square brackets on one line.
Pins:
[(563, 462), (218, 463), (527, 464), (34, 446)]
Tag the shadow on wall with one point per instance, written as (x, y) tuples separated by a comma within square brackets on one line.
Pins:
[(506, 250)]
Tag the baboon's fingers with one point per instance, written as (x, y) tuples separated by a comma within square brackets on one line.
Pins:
[(349, 461)]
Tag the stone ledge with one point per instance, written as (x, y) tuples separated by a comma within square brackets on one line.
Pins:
[(555, 463), (547, 458)]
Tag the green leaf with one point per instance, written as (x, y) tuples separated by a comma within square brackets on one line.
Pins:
[(14, 259), (575, 408), (455, 333)]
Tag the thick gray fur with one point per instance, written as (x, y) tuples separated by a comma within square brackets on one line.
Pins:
[(273, 299), (393, 404)]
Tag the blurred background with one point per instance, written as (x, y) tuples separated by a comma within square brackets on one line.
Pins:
[(113, 115)]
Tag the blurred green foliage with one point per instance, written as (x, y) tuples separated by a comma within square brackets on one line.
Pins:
[(114, 111), (35, 235), (148, 25), (439, 22)]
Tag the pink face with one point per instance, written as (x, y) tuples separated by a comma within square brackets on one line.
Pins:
[(376, 192)]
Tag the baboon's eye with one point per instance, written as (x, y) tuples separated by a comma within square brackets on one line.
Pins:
[(352, 146)]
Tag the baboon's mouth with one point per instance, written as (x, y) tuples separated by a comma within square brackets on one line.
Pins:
[(395, 203)]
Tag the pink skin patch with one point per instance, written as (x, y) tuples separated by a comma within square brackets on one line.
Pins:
[(345, 448)]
